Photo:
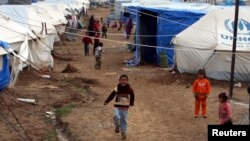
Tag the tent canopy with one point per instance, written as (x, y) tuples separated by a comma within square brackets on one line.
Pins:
[(28, 18), (208, 43), (18, 33), (14, 32)]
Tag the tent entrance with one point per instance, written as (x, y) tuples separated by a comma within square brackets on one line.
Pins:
[(148, 26)]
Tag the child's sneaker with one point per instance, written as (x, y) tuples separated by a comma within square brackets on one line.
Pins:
[(195, 116), (117, 129), (124, 136), (205, 116)]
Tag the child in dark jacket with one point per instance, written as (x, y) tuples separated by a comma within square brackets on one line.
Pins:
[(104, 31), (124, 98), (86, 40)]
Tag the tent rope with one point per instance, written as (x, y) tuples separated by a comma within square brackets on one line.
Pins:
[(17, 120)]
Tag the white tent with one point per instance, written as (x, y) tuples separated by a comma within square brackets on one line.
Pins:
[(53, 15), (16, 35), (208, 43), (57, 10), (19, 39), (75, 3), (40, 50), (28, 18)]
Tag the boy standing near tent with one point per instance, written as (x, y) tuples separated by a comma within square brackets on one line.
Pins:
[(86, 41), (124, 98), (98, 55), (201, 90)]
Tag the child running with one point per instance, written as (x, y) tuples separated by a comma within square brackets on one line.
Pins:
[(201, 90), (124, 98), (98, 56)]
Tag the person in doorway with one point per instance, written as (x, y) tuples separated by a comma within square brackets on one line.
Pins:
[(225, 110), (86, 41), (201, 90), (129, 27), (98, 56), (124, 98)]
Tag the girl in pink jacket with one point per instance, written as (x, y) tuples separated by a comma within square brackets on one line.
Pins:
[(225, 110)]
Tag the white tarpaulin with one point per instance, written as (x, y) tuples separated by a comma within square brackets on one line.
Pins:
[(38, 52), (225, 30), (16, 35), (52, 12), (24, 52), (12, 32), (73, 3), (41, 53), (208, 43), (28, 18)]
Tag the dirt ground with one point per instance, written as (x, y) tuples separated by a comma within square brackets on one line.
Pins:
[(163, 110)]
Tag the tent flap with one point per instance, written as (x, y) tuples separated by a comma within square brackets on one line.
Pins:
[(4, 69)]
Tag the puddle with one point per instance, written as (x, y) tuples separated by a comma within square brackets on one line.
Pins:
[(244, 119), (60, 135), (240, 103)]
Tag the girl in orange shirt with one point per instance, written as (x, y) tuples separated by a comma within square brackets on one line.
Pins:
[(201, 89)]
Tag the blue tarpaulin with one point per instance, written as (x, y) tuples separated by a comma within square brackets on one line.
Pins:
[(4, 70), (166, 23)]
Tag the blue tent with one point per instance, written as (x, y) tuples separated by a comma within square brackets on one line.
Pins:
[(165, 23), (4, 69)]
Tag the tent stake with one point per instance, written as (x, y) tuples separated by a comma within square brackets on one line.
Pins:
[(234, 47)]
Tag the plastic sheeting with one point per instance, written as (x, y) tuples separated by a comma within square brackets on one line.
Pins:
[(170, 22), (4, 69)]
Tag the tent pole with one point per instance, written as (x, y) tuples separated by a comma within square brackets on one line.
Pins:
[(234, 47), (46, 28)]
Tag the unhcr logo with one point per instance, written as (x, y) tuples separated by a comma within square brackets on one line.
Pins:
[(243, 26), (243, 30)]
